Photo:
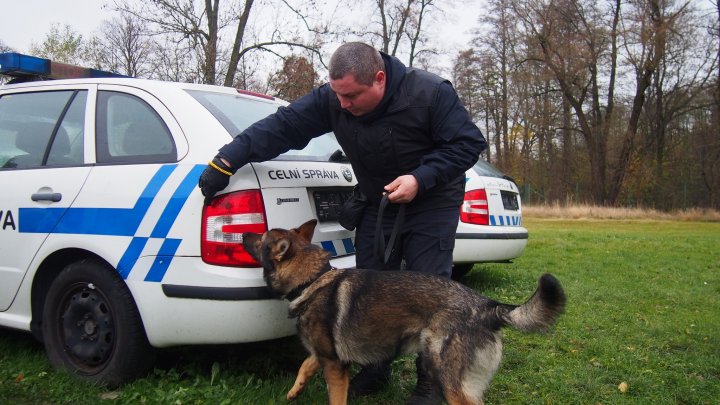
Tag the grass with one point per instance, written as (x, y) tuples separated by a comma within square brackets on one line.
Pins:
[(643, 315), (582, 211)]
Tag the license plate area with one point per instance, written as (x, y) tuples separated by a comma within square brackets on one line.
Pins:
[(328, 203), (510, 200)]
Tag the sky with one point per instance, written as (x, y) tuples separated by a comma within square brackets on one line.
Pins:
[(30, 21)]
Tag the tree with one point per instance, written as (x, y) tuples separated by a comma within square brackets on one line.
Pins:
[(296, 78), (4, 47), (61, 44), (466, 72), (399, 26), (498, 51), (686, 67), (123, 46), (581, 47), (201, 27)]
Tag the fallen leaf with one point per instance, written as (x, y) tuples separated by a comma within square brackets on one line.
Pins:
[(110, 396)]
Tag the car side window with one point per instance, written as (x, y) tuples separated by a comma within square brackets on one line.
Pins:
[(130, 131), (42, 129)]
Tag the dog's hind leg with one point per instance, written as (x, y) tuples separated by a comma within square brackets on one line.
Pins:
[(308, 369), (337, 377)]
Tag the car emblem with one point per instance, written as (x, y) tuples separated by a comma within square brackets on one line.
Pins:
[(281, 201), (347, 173)]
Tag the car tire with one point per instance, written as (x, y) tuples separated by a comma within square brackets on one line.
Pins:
[(460, 270), (91, 325)]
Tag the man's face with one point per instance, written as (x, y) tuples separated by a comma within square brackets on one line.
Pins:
[(359, 99)]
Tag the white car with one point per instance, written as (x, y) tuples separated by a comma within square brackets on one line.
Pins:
[(106, 248), (490, 227)]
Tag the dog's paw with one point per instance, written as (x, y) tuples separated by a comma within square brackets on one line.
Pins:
[(294, 392)]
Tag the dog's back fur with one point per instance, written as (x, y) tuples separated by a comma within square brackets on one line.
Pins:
[(368, 317)]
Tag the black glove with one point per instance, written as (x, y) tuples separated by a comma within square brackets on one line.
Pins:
[(215, 178)]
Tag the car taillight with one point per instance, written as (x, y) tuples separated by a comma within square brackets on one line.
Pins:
[(224, 222), (474, 209)]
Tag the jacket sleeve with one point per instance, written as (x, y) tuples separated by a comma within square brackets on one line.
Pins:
[(458, 141), (291, 127)]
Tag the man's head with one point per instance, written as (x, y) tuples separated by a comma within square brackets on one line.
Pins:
[(357, 76)]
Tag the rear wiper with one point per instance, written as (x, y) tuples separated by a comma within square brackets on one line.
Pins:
[(338, 156)]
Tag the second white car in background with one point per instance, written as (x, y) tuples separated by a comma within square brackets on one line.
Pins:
[(490, 227)]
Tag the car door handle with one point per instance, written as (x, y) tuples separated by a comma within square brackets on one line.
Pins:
[(54, 197)]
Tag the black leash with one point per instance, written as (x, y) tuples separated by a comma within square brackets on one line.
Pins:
[(381, 250)]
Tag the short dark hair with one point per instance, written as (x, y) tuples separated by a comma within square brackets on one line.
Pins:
[(356, 58)]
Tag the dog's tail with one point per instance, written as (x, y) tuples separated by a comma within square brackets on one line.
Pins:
[(539, 312)]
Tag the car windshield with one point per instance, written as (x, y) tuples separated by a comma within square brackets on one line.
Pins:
[(236, 113), (483, 168)]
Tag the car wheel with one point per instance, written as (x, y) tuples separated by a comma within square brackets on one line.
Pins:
[(92, 327), (460, 270)]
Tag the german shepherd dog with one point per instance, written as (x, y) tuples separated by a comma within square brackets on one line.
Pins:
[(368, 317)]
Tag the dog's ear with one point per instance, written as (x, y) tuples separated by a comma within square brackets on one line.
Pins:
[(281, 247), (307, 229)]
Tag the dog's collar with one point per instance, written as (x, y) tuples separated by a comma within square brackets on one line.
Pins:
[(297, 291)]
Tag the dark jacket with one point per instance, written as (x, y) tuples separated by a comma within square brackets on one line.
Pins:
[(420, 127)]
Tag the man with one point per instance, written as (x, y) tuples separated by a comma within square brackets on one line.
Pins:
[(406, 134)]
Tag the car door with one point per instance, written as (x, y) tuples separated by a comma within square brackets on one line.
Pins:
[(41, 172), (130, 199)]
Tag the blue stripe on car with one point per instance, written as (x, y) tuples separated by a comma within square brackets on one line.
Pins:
[(122, 221), (94, 221), (126, 222), (169, 215), (349, 246), (131, 255), (329, 246), (339, 247), (162, 260), (508, 220)]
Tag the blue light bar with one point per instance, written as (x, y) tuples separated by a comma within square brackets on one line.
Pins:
[(12, 64), (19, 65)]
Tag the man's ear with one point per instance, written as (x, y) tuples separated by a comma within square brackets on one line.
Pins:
[(307, 229), (380, 77)]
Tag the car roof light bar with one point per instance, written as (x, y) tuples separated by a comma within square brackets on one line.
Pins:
[(20, 65)]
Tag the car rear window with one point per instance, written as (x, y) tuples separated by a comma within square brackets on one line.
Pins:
[(236, 113), (483, 168)]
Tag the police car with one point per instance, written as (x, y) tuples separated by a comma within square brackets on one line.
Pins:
[(490, 227), (106, 247)]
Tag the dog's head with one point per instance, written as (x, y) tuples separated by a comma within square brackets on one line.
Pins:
[(288, 257)]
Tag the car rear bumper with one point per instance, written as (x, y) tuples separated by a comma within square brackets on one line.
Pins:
[(489, 246), (202, 304), (172, 321)]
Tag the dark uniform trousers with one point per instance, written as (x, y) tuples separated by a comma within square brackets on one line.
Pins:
[(426, 240)]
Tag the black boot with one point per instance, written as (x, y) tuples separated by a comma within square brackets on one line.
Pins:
[(427, 391), (370, 379)]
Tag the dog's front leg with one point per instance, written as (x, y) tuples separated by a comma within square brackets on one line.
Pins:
[(308, 369), (337, 377)]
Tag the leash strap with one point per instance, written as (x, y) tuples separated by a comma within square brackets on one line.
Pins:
[(381, 250)]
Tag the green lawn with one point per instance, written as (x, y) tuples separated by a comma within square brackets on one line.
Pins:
[(643, 311)]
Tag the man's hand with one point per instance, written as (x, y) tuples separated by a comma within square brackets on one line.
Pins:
[(403, 189), (215, 178)]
